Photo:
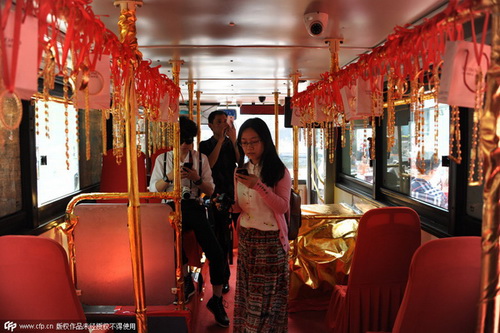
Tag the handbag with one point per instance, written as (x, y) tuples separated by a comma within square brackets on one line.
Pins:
[(294, 215)]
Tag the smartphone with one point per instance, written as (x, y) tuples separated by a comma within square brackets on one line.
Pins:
[(242, 171), (187, 165), (230, 120)]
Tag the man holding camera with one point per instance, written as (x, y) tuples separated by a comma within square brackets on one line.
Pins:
[(196, 178), (223, 154)]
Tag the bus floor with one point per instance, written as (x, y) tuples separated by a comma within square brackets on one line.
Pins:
[(203, 320)]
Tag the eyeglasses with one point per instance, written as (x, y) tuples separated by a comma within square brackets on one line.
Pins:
[(187, 141), (249, 144)]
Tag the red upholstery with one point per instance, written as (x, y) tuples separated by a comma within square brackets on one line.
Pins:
[(114, 175), (443, 289), (386, 240), (103, 264), (35, 282)]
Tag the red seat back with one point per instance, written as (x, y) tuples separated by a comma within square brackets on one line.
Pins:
[(114, 175), (35, 282), (103, 264), (386, 240), (443, 289)]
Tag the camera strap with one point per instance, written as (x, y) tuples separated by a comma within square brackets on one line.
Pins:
[(190, 161), (165, 165)]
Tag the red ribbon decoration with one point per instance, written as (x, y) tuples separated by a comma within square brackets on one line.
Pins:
[(407, 51), (9, 73)]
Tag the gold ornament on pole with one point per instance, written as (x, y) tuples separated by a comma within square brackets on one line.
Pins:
[(276, 121), (177, 219), (198, 117), (295, 82), (190, 85)]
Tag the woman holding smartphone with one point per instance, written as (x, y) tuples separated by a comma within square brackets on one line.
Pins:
[(262, 196)]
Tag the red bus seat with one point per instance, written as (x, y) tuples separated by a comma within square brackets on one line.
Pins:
[(103, 264), (114, 175), (443, 291), (35, 283), (386, 240)]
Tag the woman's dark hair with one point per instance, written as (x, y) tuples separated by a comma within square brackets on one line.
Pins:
[(188, 128), (273, 168)]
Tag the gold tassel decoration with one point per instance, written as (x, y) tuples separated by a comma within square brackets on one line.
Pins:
[(476, 158), (455, 137)]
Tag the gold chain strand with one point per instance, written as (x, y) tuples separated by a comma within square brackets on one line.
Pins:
[(150, 138), (352, 139), (104, 116), (372, 145), (77, 116), (342, 133), (420, 128), (435, 75), (331, 151), (365, 138), (391, 112), (455, 136), (323, 133), (87, 124), (66, 117), (139, 132), (37, 116), (374, 107), (414, 104), (46, 113), (48, 84), (476, 160)]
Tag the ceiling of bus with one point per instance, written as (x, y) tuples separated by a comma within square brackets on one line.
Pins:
[(237, 50)]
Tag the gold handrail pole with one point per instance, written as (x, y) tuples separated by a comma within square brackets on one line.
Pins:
[(198, 118), (128, 36), (190, 85), (489, 307), (276, 121), (295, 81), (177, 219)]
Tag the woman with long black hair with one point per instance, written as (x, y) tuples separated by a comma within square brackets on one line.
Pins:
[(263, 196)]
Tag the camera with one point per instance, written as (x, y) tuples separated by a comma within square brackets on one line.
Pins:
[(225, 202), (316, 23), (185, 193)]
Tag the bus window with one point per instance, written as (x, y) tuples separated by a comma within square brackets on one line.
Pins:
[(57, 164), (407, 169), (356, 153), (318, 167)]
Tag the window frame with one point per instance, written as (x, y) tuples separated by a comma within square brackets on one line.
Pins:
[(435, 220), (32, 219)]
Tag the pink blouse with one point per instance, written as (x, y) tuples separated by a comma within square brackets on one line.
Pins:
[(277, 199)]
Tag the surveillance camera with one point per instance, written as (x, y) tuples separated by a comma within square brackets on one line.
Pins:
[(262, 99), (316, 23)]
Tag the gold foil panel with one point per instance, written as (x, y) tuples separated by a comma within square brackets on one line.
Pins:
[(322, 253)]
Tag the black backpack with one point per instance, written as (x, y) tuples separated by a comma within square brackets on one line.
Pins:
[(294, 216)]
